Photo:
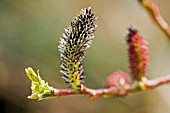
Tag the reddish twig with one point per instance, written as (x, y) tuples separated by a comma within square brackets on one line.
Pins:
[(113, 91), (156, 15), (150, 84)]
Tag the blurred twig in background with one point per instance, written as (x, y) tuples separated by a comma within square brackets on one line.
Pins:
[(156, 15)]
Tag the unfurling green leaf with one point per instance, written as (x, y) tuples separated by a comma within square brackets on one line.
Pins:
[(40, 88)]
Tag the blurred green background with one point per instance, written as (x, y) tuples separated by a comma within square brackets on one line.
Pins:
[(29, 35)]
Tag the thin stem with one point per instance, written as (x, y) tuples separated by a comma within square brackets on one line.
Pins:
[(150, 84), (156, 15), (95, 93)]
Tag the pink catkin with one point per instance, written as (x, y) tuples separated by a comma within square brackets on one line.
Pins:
[(138, 53), (114, 79)]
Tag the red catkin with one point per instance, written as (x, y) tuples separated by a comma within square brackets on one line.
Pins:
[(138, 53)]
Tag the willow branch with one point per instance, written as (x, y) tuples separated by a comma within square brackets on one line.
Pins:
[(41, 89), (156, 15), (114, 91), (76, 39)]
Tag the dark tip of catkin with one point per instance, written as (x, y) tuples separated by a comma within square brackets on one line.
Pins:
[(131, 32)]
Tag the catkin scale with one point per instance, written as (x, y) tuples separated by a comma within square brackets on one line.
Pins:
[(73, 44)]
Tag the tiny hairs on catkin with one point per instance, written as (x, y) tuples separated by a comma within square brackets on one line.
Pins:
[(73, 44)]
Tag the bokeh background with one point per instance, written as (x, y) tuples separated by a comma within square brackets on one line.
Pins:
[(29, 35)]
